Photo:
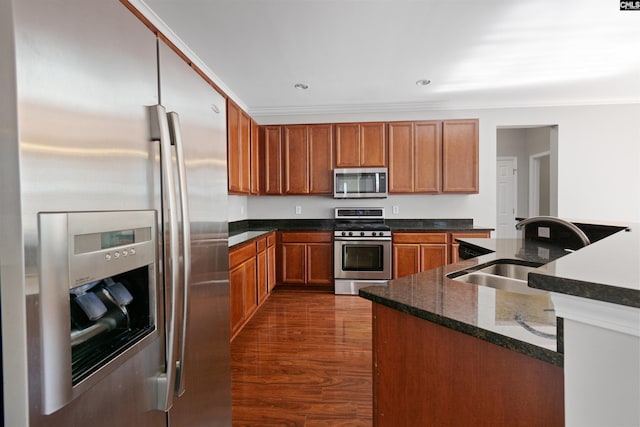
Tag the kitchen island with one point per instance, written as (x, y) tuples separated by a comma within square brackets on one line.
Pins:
[(450, 353)]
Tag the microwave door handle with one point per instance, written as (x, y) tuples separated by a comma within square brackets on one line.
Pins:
[(176, 139), (377, 183), (160, 132)]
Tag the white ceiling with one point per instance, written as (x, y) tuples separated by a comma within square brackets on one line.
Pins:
[(367, 55)]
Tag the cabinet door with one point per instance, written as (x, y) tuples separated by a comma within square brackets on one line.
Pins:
[(460, 156), (373, 146), (245, 153), (320, 159), (320, 264), (255, 158), (296, 160), (272, 149), (347, 145), (433, 255), (261, 275), (427, 153), (250, 287), (293, 263), (406, 259), (271, 267), (233, 147), (236, 298), (401, 157)]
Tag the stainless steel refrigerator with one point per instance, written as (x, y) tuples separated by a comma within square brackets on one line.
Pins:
[(113, 224)]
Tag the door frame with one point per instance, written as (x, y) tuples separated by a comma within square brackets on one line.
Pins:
[(534, 181)]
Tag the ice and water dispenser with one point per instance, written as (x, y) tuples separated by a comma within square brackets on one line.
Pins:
[(98, 296)]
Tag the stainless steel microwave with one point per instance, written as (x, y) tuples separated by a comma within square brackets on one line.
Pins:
[(360, 183)]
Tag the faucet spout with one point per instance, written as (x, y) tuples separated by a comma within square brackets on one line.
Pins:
[(583, 237)]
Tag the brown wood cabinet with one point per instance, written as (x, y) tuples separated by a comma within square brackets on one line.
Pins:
[(454, 256), (361, 145), (251, 278), (427, 374), (415, 157), (256, 156), (272, 162), (307, 258), (308, 159), (242, 285), (414, 252), (238, 149), (460, 156)]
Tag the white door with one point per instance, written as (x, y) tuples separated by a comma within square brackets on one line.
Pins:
[(507, 177)]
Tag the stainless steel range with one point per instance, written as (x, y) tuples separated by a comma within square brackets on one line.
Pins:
[(361, 249)]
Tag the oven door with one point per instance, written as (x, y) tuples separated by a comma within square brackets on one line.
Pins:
[(358, 258)]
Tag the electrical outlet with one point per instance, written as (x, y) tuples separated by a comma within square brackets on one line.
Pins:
[(544, 232), (298, 210), (395, 209)]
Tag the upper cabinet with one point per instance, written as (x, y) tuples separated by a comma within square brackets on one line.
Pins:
[(414, 157), (299, 156), (361, 145), (238, 149), (433, 156), (271, 145), (256, 155), (460, 156)]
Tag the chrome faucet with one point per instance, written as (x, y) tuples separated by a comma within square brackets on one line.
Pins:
[(583, 237)]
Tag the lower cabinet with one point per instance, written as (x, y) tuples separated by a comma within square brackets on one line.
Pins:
[(455, 246), (306, 258), (414, 252), (427, 374), (251, 278), (417, 252)]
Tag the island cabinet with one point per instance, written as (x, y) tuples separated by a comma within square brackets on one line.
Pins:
[(414, 252), (415, 150), (429, 375), (271, 149), (251, 278), (306, 258), (238, 149), (361, 145), (308, 159), (460, 156), (455, 246)]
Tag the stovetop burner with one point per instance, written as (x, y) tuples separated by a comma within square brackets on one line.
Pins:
[(363, 222)]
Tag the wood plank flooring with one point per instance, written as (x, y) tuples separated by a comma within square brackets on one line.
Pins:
[(304, 360)]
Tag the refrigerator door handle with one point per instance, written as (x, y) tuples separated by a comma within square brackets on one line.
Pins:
[(165, 381), (176, 139)]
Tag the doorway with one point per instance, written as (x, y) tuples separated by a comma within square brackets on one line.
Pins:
[(531, 152)]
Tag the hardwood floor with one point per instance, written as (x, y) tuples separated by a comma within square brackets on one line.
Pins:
[(304, 360)]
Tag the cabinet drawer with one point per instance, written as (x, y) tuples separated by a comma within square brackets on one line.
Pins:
[(419, 237), (305, 237), (271, 239), (240, 254), (261, 244)]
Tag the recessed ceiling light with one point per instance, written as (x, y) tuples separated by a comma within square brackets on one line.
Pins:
[(301, 86), (423, 82)]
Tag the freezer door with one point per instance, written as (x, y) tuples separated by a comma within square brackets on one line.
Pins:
[(204, 382), (86, 70)]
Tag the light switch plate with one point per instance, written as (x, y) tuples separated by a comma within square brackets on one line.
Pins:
[(544, 232)]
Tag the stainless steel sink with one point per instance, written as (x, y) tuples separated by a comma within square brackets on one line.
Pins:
[(504, 275)]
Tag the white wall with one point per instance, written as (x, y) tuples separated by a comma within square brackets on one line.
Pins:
[(598, 165)]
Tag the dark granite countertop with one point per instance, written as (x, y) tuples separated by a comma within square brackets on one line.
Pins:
[(241, 237), (607, 270), (520, 322), (237, 227)]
